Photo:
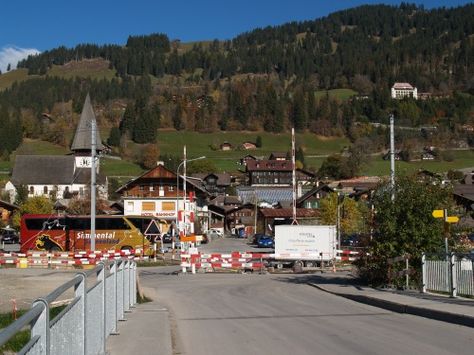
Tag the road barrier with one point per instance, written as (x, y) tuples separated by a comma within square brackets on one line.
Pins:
[(448, 273), (250, 260), (64, 259), (347, 255), (89, 318), (215, 261)]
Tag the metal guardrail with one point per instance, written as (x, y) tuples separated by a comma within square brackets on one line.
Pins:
[(451, 273), (86, 322)]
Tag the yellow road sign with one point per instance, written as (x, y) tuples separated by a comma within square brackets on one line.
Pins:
[(438, 213), (452, 219)]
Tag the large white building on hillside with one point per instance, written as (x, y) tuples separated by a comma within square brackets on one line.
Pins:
[(402, 90)]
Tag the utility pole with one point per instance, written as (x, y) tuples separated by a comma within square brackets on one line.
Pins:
[(392, 157), (293, 162), (93, 183)]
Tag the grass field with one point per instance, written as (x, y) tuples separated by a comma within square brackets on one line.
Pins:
[(7, 79), (93, 68), (342, 94), (199, 144)]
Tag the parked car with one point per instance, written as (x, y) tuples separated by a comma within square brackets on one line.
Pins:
[(266, 241), (9, 236), (167, 238), (254, 239)]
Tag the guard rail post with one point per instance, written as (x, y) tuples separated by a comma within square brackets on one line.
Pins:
[(102, 332), (113, 313), (80, 293), (134, 284), (423, 273), (40, 327), (120, 293), (126, 286)]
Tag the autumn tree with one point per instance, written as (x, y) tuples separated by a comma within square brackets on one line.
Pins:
[(33, 205), (150, 156), (405, 225)]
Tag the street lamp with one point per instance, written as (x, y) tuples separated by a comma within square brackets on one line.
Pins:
[(184, 194)]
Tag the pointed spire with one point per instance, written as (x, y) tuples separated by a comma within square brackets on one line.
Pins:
[(83, 136)]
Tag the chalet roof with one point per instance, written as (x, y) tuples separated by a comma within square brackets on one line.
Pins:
[(288, 212), (277, 155), (402, 86), (8, 206), (50, 170), (83, 137), (464, 190), (223, 179), (226, 200), (269, 165), (159, 171), (271, 195), (313, 191)]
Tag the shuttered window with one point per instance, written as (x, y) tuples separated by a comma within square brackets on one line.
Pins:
[(167, 206), (148, 206)]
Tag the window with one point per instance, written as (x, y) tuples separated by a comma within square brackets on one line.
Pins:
[(161, 191), (148, 206), (45, 190), (151, 187), (32, 190), (168, 206), (171, 188), (141, 188), (130, 206)]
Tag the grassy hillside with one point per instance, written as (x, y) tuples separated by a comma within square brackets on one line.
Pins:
[(199, 144), (87, 68), (7, 79), (92, 68)]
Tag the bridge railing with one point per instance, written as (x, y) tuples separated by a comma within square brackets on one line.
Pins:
[(101, 297)]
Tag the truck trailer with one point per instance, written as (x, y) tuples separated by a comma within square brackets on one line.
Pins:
[(304, 245)]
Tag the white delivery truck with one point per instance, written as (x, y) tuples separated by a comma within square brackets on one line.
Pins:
[(304, 245)]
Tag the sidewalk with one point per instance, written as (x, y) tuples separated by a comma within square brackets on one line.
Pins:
[(146, 330), (443, 308)]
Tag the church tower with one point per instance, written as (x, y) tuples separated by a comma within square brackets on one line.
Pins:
[(81, 145)]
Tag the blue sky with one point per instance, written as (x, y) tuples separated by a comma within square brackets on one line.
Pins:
[(30, 25)]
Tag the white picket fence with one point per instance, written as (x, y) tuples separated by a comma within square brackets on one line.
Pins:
[(452, 274)]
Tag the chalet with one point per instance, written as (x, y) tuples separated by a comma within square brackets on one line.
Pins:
[(277, 156), (215, 184), (275, 173), (159, 192), (428, 155), (244, 160), (397, 155), (356, 185), (313, 197), (268, 218), (248, 146), (58, 176), (226, 146), (402, 90)]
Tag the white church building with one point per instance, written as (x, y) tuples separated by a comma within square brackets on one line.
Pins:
[(61, 177)]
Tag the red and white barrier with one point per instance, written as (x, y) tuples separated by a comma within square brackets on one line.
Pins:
[(47, 259), (347, 255), (234, 260)]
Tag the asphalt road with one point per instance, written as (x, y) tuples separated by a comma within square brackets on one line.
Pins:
[(281, 314)]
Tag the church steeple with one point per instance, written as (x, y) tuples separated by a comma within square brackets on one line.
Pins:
[(83, 136)]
